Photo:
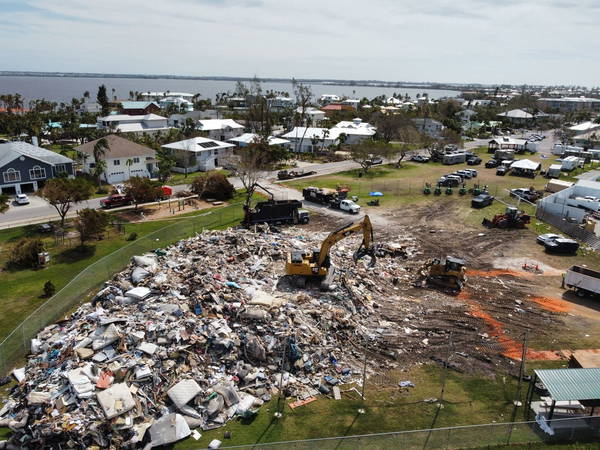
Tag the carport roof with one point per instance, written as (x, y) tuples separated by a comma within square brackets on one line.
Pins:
[(571, 384)]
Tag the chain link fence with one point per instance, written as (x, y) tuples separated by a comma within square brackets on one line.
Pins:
[(16, 345), (566, 430)]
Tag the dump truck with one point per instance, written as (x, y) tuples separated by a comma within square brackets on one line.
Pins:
[(512, 218), (584, 281), (316, 264), (275, 212)]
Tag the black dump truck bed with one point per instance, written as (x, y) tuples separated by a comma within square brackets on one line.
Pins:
[(276, 211)]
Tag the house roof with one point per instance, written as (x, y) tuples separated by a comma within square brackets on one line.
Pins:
[(336, 107), (361, 131), (309, 133), (248, 138), (571, 384), (310, 111), (137, 105), (218, 124), (516, 114), (13, 150), (198, 144), (585, 126), (526, 164), (119, 147), (356, 124), (125, 117), (509, 140)]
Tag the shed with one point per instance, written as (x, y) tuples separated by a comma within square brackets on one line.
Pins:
[(585, 359)]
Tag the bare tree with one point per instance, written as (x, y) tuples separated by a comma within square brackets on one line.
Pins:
[(303, 94)]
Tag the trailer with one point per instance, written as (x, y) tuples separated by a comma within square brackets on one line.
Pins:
[(571, 163), (582, 280), (554, 171), (454, 158), (322, 196), (503, 155), (557, 185)]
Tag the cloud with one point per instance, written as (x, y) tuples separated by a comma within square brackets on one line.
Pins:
[(486, 41)]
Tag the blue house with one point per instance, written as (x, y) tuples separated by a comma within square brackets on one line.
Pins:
[(25, 167)]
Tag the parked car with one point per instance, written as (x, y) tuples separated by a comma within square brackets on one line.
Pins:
[(375, 160), (492, 163), (548, 237), (21, 199), (465, 174), (474, 161), (473, 172), (420, 158), (526, 194), (45, 228), (562, 245), (450, 181), (115, 200), (482, 200), (502, 170)]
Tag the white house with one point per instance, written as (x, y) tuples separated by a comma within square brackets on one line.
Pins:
[(220, 129), (355, 130), (351, 102), (431, 127), (466, 115), (180, 102), (280, 103), (313, 115), (585, 127), (159, 95), (326, 99), (124, 159), (89, 107), (247, 138), (306, 139), (517, 116), (199, 153), (149, 123)]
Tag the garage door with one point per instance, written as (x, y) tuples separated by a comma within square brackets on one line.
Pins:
[(27, 187), (9, 190)]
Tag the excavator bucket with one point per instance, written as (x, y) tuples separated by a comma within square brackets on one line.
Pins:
[(362, 252)]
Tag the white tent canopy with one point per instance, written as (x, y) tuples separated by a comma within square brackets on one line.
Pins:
[(525, 164)]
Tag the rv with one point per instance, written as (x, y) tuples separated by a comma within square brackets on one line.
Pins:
[(454, 158), (554, 171)]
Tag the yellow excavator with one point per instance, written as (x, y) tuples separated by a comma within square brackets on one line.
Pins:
[(317, 264)]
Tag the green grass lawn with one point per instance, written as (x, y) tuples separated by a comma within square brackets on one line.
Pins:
[(65, 150), (469, 400), (180, 178)]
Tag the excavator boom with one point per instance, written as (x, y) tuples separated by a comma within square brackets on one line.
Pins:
[(334, 237)]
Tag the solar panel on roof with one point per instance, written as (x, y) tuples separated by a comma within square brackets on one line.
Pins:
[(209, 144)]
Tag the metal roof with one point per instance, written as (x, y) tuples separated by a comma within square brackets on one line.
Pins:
[(571, 384)]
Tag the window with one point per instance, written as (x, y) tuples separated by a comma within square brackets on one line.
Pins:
[(11, 175), (60, 168), (37, 173), (136, 160), (117, 162)]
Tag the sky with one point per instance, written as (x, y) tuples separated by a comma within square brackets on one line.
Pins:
[(463, 41)]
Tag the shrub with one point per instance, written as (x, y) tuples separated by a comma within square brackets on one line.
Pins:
[(90, 223), (219, 187), (102, 190), (25, 252), (49, 289), (132, 236)]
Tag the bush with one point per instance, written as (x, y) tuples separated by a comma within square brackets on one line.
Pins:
[(132, 236), (49, 289), (90, 223), (25, 252), (102, 190)]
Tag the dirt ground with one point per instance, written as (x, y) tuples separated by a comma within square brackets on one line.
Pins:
[(513, 293), (165, 210)]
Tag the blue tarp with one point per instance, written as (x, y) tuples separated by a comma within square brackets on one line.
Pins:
[(376, 194)]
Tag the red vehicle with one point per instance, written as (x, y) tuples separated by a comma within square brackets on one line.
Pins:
[(112, 201)]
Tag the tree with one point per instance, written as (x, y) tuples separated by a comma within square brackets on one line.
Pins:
[(364, 151), (102, 99), (142, 190), (25, 252), (563, 135), (165, 162), (129, 163), (90, 223), (99, 151), (4, 203), (303, 94), (62, 193), (213, 185)]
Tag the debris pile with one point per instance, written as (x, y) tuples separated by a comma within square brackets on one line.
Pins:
[(193, 335)]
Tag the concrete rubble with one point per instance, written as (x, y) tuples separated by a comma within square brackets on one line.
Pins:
[(191, 336)]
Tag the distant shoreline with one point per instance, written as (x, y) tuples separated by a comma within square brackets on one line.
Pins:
[(323, 81)]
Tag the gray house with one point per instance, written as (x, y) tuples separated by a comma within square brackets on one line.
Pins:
[(25, 167)]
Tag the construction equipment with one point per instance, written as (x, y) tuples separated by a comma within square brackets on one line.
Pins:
[(317, 264), (289, 174), (512, 218), (275, 211), (448, 272)]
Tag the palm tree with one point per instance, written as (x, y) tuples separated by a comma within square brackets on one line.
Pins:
[(100, 148), (129, 163)]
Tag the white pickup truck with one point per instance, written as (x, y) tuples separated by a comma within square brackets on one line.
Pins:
[(583, 281), (346, 205)]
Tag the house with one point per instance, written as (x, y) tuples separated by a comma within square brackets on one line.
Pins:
[(517, 116), (149, 123), (156, 96), (25, 167), (430, 127), (351, 102), (181, 103), (466, 115), (307, 139), (280, 103), (124, 159), (567, 104), (509, 143), (199, 153), (326, 99), (220, 129), (355, 131), (335, 107), (179, 120), (585, 127), (89, 107), (572, 204), (313, 115), (138, 108), (247, 138), (589, 140)]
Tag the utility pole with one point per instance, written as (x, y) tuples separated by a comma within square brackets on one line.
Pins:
[(518, 393)]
